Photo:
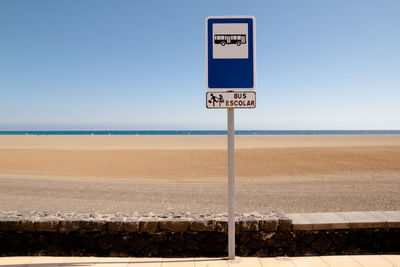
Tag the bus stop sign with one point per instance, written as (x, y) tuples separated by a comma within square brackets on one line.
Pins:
[(230, 53)]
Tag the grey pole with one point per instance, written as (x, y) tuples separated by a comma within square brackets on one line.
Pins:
[(231, 183)]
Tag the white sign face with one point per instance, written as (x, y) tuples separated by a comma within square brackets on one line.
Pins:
[(230, 40), (237, 99)]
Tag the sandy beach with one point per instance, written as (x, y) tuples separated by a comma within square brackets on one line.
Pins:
[(298, 173)]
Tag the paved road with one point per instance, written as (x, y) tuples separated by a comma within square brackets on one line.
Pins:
[(378, 191)]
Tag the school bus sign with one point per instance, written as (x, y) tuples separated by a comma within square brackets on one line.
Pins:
[(230, 53), (230, 66), (238, 99)]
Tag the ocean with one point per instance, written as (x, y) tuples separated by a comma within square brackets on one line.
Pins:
[(203, 132)]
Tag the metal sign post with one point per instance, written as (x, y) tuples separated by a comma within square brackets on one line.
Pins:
[(231, 183), (230, 66)]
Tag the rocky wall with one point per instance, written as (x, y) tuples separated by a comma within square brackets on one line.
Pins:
[(179, 235)]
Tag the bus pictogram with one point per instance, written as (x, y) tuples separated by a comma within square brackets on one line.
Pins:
[(224, 39)]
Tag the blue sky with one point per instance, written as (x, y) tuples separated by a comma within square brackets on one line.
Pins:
[(141, 65)]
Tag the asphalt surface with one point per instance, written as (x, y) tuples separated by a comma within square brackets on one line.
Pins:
[(350, 192)]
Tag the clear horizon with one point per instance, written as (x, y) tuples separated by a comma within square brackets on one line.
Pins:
[(251, 131), (93, 65)]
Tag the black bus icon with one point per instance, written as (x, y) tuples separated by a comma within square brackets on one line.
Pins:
[(224, 39)]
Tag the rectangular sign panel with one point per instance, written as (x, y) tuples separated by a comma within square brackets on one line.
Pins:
[(238, 99), (230, 53)]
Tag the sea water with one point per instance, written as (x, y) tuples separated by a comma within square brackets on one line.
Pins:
[(203, 132)]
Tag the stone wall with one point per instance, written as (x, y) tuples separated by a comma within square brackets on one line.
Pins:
[(185, 234)]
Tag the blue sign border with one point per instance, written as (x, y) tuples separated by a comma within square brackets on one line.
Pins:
[(235, 73)]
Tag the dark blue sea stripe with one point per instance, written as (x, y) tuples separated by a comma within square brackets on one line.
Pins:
[(204, 132)]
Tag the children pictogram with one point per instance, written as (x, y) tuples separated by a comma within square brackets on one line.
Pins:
[(214, 99)]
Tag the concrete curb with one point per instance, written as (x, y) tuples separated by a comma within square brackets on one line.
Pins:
[(345, 220)]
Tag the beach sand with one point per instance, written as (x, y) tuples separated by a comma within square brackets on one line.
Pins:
[(351, 171), (191, 158)]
